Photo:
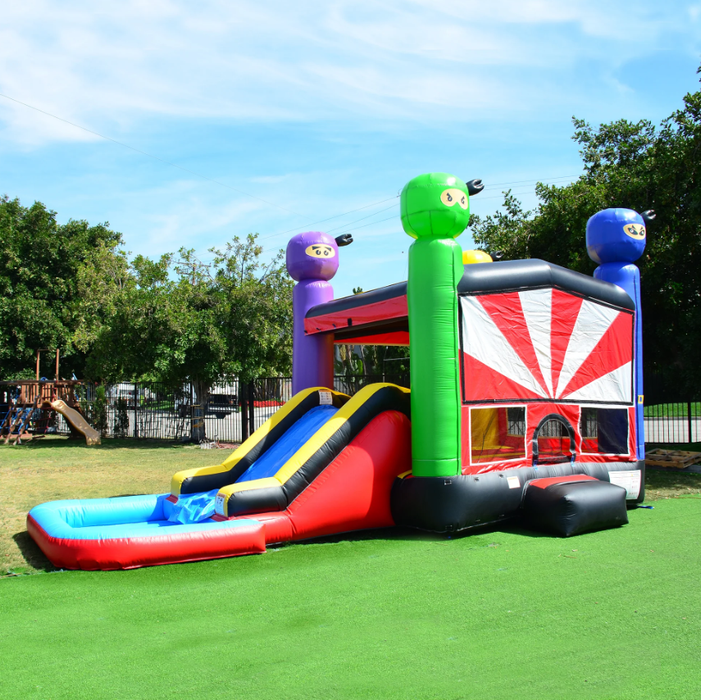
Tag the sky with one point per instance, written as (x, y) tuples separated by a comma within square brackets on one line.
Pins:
[(184, 124)]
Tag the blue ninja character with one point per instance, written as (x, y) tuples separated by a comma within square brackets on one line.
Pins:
[(617, 235), (616, 239)]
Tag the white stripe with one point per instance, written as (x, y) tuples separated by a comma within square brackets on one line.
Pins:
[(537, 310), (592, 322), (483, 340), (614, 386)]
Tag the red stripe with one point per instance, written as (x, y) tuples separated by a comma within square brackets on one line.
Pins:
[(483, 383), (565, 310), (507, 313), (369, 313), (133, 552), (392, 338), (554, 480), (611, 352)]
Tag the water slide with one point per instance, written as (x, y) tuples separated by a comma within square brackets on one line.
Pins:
[(92, 437), (323, 464)]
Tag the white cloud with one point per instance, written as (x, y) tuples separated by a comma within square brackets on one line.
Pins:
[(108, 65)]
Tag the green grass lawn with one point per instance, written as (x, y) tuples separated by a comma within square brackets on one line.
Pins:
[(504, 613), (56, 468), (673, 410)]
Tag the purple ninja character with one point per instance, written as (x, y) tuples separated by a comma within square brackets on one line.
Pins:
[(312, 260)]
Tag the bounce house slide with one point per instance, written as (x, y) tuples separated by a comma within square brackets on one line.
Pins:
[(323, 464), (92, 437)]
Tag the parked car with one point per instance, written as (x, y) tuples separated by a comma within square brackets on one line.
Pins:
[(222, 405)]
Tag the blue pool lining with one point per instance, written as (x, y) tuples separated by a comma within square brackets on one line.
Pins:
[(119, 518)]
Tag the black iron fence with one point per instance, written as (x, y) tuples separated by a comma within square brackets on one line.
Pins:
[(232, 410), (229, 413), (673, 422)]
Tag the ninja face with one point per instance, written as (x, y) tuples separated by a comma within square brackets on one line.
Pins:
[(454, 196), (616, 235), (436, 205), (312, 256), (636, 231), (320, 250)]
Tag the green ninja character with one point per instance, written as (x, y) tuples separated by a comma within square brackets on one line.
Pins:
[(435, 209)]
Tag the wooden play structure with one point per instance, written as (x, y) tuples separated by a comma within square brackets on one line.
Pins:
[(26, 408)]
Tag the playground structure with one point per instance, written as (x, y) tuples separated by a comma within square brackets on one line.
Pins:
[(526, 399), (31, 402)]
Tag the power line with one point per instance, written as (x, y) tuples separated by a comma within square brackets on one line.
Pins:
[(336, 216), (481, 199), (350, 228), (351, 223), (150, 155), (519, 182), (265, 201)]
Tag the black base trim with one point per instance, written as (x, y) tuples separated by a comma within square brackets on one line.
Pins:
[(572, 508), (265, 500), (451, 504)]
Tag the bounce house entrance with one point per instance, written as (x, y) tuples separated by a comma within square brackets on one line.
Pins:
[(553, 441)]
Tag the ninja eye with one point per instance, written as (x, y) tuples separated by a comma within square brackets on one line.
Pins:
[(318, 252), (449, 197), (326, 253)]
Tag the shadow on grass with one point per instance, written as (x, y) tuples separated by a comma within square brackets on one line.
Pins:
[(107, 444), (681, 446), (479, 534), (671, 479), (29, 549)]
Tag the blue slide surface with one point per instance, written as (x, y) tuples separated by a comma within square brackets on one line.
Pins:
[(269, 462)]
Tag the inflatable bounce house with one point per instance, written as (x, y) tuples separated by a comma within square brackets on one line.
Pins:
[(526, 399)]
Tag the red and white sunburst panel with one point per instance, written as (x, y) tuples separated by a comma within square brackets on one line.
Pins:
[(546, 344)]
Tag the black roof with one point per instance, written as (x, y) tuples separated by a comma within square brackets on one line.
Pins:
[(505, 276), (514, 275)]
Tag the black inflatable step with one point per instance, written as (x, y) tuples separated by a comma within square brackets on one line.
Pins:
[(571, 505)]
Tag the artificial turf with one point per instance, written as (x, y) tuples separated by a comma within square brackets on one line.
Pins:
[(498, 614)]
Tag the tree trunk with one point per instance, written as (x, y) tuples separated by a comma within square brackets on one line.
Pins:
[(199, 407)]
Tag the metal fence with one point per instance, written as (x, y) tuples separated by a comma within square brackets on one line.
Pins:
[(230, 413), (234, 410), (673, 422)]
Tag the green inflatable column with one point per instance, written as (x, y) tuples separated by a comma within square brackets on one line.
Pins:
[(435, 209)]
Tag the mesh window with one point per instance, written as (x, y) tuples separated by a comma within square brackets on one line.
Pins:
[(497, 434), (604, 431)]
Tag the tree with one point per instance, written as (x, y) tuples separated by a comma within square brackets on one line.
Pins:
[(179, 320), (637, 166), (56, 285), (391, 362)]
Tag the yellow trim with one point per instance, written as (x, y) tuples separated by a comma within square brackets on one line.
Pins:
[(239, 453), (310, 447), (307, 450), (404, 475)]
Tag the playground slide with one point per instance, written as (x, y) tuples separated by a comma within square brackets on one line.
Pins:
[(324, 464), (92, 437)]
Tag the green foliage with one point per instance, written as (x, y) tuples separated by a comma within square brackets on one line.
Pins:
[(121, 419), (388, 362), (637, 166), (97, 411), (178, 320), (57, 283)]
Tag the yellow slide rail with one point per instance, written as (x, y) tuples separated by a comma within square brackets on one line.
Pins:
[(244, 449), (360, 402)]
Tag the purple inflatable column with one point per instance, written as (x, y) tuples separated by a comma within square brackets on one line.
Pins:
[(312, 260)]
